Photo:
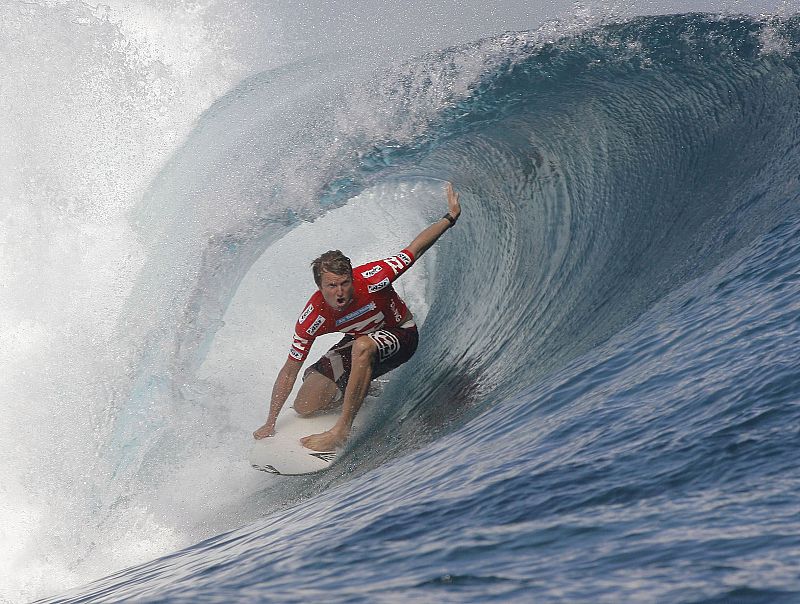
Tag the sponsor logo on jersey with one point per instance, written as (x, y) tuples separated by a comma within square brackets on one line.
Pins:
[(295, 355), (405, 258), (315, 325), (299, 342), (395, 311), (395, 264), (309, 309), (372, 272), (378, 286), (355, 314)]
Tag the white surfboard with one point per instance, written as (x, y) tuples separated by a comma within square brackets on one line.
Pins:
[(283, 454)]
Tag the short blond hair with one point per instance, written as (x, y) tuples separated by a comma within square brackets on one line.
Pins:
[(332, 261)]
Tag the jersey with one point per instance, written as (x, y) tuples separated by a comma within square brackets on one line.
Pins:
[(375, 305)]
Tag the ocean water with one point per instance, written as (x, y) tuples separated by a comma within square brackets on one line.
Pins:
[(605, 404)]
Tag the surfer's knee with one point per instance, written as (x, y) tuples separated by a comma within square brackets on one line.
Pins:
[(364, 348), (304, 407), (316, 393)]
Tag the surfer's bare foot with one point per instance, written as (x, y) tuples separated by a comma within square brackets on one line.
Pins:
[(324, 441), (264, 431)]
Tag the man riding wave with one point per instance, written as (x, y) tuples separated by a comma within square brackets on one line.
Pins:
[(380, 333)]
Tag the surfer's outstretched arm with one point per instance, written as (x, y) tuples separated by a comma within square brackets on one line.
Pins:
[(287, 376), (431, 234)]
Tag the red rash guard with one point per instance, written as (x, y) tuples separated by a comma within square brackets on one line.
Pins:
[(375, 305)]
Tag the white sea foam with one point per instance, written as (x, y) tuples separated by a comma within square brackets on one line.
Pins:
[(94, 101)]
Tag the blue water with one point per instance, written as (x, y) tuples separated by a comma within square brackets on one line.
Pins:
[(605, 405)]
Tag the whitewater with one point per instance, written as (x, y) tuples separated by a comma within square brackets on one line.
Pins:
[(604, 405)]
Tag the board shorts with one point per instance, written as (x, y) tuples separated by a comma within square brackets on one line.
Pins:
[(396, 345)]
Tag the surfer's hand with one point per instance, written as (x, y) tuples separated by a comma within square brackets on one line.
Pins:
[(267, 429), (453, 205)]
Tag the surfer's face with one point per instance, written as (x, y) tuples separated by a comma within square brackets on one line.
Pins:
[(336, 289)]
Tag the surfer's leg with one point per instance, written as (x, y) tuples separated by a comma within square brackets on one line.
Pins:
[(325, 381), (317, 393), (369, 356), (363, 355)]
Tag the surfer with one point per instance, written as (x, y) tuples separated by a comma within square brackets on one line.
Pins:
[(380, 333)]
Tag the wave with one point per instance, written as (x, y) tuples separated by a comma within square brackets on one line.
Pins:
[(600, 172), (603, 172)]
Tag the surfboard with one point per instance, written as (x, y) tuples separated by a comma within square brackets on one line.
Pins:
[(283, 454)]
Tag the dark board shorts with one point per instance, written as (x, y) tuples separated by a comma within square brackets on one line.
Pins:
[(396, 345)]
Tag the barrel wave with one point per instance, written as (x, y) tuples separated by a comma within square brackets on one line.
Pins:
[(604, 404)]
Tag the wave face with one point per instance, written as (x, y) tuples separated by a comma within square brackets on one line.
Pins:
[(603, 406)]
